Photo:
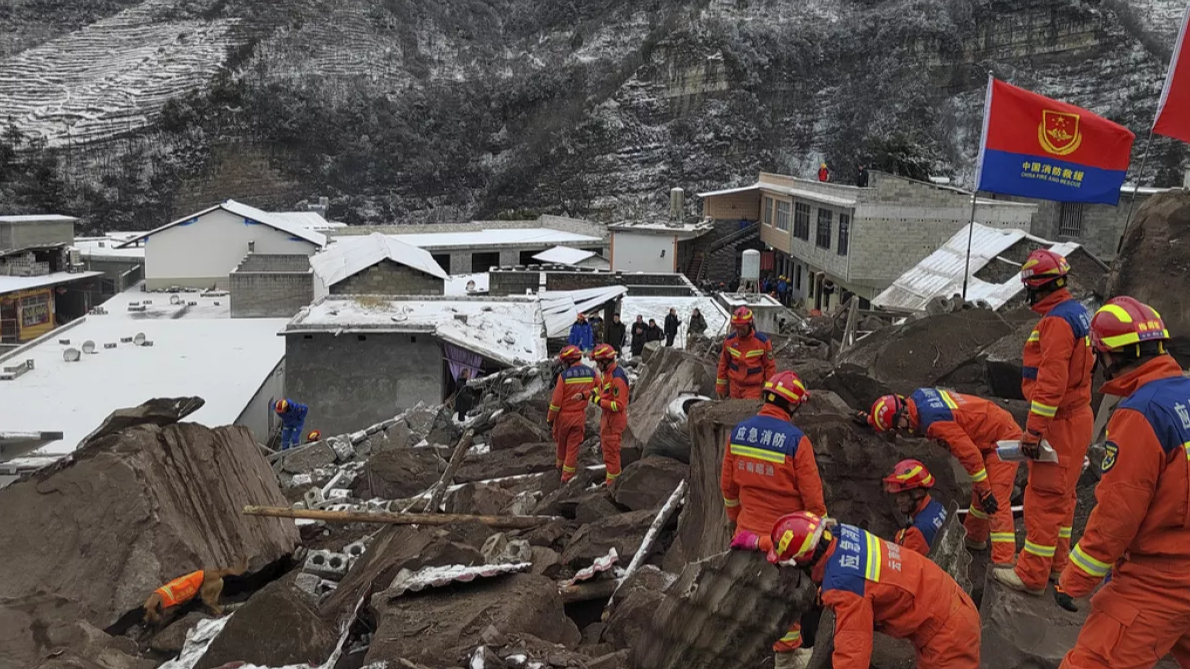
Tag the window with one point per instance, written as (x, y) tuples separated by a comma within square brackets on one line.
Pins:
[(801, 221), (797, 277), (783, 216), (1070, 220), (823, 239), (767, 214), (844, 233), (35, 310)]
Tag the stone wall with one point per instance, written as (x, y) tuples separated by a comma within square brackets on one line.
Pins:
[(389, 278), (271, 286)]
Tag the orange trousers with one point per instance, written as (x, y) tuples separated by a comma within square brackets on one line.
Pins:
[(956, 643), (569, 430), (1050, 498), (792, 640), (738, 391), (1135, 620), (997, 526), (611, 435)]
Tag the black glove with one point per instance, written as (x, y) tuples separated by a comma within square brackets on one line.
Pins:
[(1031, 445), (860, 418), (988, 501), (1064, 600)]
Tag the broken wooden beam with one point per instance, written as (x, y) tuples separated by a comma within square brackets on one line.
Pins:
[(448, 476), (587, 591), (646, 545), (389, 518)]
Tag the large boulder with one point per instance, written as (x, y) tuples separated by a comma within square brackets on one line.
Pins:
[(524, 459), (439, 627), (399, 473), (479, 499), (514, 430), (724, 611), (278, 626), (648, 482), (1024, 632), (624, 532), (634, 606), (1002, 362), (92, 649), (1154, 264), (667, 374), (130, 510), (169, 641)]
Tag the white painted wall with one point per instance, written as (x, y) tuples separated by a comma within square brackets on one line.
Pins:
[(637, 252), (258, 415), (202, 253)]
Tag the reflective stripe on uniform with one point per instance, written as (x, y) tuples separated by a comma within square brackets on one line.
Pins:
[(730, 502), (1034, 336), (1003, 538), (555, 407), (1039, 550), (1186, 447), (581, 379), (613, 406), (734, 353), (754, 354), (976, 513), (1044, 410), (720, 382), (758, 453), (1093, 567), (568, 470), (981, 475), (948, 400), (613, 477), (791, 636), (1065, 532), (872, 568)]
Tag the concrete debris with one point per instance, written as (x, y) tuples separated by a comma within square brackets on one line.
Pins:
[(648, 482), (399, 473), (499, 549), (437, 577), (636, 604), (950, 551), (514, 430), (590, 506), (667, 375), (480, 499), (622, 532), (325, 564), (672, 437)]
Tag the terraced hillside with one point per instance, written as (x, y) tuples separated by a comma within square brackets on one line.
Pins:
[(408, 110)]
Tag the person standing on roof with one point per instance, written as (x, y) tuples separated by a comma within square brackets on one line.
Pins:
[(745, 361), (969, 427), (872, 584), (769, 470), (293, 417), (909, 484), (567, 416), (824, 174), (672, 323), (640, 335), (782, 290), (616, 333), (611, 396), (1139, 531), (581, 334), (1057, 382), (696, 328)]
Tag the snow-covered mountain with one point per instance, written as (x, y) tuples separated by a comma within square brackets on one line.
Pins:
[(413, 110)]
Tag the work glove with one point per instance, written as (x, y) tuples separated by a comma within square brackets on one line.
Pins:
[(1031, 444), (988, 501), (596, 397), (746, 541), (1064, 600), (860, 418)]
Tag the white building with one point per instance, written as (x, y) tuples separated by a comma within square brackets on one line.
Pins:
[(564, 255), (654, 247), (199, 251), (235, 365)]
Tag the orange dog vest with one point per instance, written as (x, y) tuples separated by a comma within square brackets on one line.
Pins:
[(181, 589)]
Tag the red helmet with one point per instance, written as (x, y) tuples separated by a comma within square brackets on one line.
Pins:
[(908, 475), (603, 353), (314, 435), (1125, 321), (885, 412), (281, 406), (788, 386), (1043, 266), (795, 536), (571, 353), (741, 317)]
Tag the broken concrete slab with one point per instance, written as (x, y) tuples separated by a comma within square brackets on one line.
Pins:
[(672, 437), (514, 430), (479, 499), (500, 549), (594, 505), (624, 532), (635, 605), (278, 626), (438, 628), (524, 459), (308, 458), (648, 482), (668, 374), (177, 492), (724, 611), (399, 473)]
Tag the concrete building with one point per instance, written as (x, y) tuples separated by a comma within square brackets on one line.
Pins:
[(121, 267), (357, 360), (39, 230), (201, 250), (376, 265), (833, 240), (271, 286), (564, 255), (533, 279), (654, 247), (766, 310), (191, 348), (477, 251)]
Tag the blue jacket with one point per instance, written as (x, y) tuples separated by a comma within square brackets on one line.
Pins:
[(782, 287), (582, 336), (295, 415)]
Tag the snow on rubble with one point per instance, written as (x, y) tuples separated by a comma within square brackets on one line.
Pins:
[(508, 330)]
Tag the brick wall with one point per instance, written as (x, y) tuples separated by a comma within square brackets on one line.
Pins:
[(270, 294), (275, 262), (1102, 224), (733, 207), (389, 278)]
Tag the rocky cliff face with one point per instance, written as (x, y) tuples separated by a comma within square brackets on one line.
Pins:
[(402, 110)]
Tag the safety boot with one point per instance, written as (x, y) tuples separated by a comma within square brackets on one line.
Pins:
[(976, 545), (1010, 579), (795, 659)]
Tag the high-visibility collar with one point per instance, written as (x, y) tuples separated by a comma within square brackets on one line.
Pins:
[(1161, 367), (1052, 300), (773, 411)]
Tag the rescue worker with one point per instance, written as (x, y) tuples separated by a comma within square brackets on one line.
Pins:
[(1057, 383), (293, 417), (567, 416), (909, 484), (769, 470), (313, 436), (745, 361), (582, 334), (969, 427), (870, 583), (1139, 531), (612, 398)]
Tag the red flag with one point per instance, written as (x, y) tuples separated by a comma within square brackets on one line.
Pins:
[(1173, 112)]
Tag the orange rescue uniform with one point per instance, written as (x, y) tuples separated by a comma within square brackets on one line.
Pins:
[(969, 427), (1140, 529), (613, 400), (744, 365), (568, 414), (872, 584), (928, 518), (769, 471), (1057, 382), (181, 589)]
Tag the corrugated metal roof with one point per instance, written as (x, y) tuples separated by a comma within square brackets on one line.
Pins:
[(240, 209), (940, 274), (350, 256), (560, 308)]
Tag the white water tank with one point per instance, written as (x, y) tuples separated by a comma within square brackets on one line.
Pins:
[(750, 270)]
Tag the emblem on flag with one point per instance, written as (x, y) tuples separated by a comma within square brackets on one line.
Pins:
[(1059, 132)]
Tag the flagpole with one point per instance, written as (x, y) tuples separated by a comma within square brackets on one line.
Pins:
[(1132, 201), (987, 108), (970, 237)]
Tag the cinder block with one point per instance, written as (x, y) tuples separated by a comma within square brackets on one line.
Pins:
[(325, 564)]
